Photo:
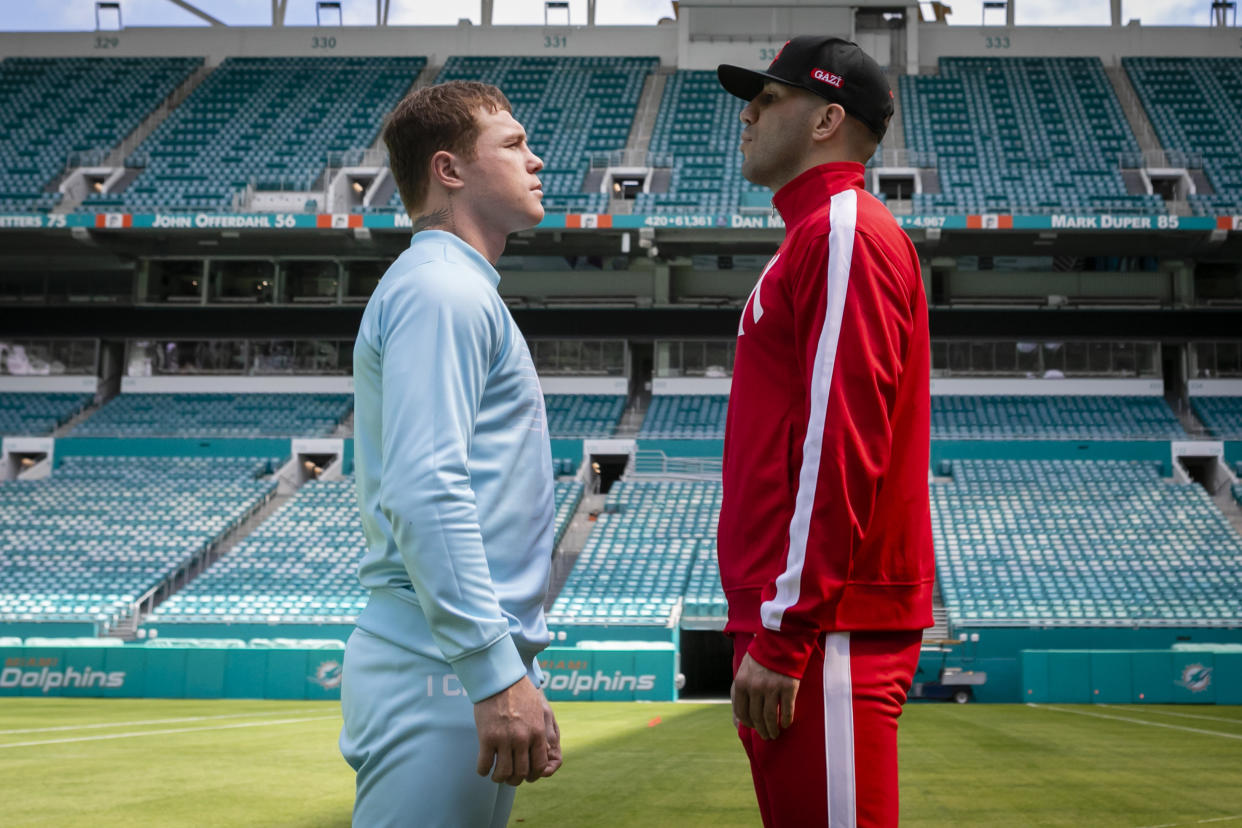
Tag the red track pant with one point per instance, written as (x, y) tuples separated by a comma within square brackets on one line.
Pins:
[(837, 764)]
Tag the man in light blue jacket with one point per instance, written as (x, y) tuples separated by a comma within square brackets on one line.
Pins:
[(443, 718)]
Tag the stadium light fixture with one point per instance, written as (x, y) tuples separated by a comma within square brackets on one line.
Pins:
[(107, 7), (1221, 10), (555, 6), (328, 6)]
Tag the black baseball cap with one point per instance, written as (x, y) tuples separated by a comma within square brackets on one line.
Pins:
[(837, 70)]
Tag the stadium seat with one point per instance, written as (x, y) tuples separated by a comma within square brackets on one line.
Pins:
[(698, 130), (1221, 415), (654, 540), (53, 108), (1054, 417), (572, 108), (87, 542), (217, 415), (270, 122), (698, 416), (1085, 543), (583, 415), (1021, 135), (37, 414), (1195, 107), (300, 565)]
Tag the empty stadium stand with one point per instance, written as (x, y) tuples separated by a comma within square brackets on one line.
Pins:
[(301, 564), (571, 108), (705, 598), (639, 559), (1195, 107), (1025, 135), (1085, 543), (686, 415), (698, 129), (583, 415), (55, 107), (217, 415), (1221, 415), (38, 414), (270, 121), (86, 543), (1054, 418)]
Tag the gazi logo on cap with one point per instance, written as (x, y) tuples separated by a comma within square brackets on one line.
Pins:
[(830, 78)]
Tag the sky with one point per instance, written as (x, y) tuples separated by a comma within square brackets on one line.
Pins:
[(79, 15)]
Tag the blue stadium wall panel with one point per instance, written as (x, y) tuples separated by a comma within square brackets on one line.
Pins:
[(998, 652), (1131, 677), (171, 673)]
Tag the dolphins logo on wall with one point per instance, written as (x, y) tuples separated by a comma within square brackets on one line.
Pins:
[(1196, 678), (328, 675)]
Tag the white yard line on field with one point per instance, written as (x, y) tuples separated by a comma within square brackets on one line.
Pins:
[(151, 721), (1195, 822), (1142, 709), (1138, 721), (164, 732)]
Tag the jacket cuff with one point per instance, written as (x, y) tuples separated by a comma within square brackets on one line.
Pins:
[(486, 672), (784, 652)]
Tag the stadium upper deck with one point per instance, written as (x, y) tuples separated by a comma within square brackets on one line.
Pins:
[(286, 121)]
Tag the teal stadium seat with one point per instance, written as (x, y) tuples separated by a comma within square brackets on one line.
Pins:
[(697, 127), (1195, 107), (695, 416), (87, 542), (1082, 543), (52, 108), (1053, 418), (272, 121), (37, 414), (653, 542), (217, 415), (1021, 135), (1221, 415), (298, 566), (583, 415), (571, 108)]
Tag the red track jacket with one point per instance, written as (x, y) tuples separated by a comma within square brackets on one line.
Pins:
[(825, 523)]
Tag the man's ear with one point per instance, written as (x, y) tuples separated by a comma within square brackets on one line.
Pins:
[(445, 171), (831, 121)]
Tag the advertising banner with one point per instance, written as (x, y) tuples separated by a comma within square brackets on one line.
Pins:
[(597, 221)]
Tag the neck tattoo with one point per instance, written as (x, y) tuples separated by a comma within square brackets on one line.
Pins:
[(441, 219)]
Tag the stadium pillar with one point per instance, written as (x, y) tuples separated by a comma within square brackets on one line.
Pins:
[(660, 280), (1182, 281), (1115, 9)]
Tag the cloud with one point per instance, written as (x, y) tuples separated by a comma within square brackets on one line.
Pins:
[(79, 15), (1084, 12)]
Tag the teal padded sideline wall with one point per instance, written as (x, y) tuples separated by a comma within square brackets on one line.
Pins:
[(172, 673), (1132, 676), (999, 650)]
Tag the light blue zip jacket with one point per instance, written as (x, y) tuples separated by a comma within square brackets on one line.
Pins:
[(454, 468)]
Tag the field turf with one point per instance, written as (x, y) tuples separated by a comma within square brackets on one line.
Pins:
[(154, 762)]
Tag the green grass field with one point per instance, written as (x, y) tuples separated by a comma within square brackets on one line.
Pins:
[(243, 763)]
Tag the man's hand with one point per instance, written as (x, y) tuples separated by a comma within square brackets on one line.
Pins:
[(513, 734), (763, 699), (552, 732)]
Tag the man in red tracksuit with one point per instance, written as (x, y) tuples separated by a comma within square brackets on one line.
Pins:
[(825, 532)]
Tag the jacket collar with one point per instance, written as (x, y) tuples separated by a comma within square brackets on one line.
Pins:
[(811, 190), (456, 250)]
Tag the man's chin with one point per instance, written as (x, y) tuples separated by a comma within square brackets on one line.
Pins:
[(751, 174), (534, 217)]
